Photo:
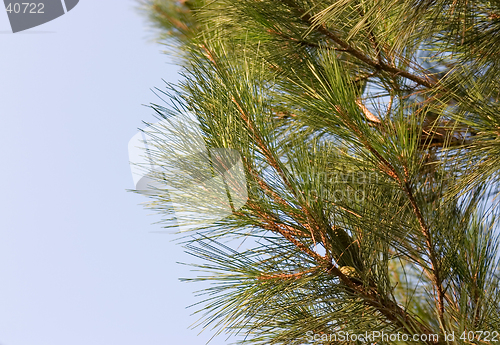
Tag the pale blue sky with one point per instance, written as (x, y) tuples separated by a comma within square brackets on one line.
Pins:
[(78, 262)]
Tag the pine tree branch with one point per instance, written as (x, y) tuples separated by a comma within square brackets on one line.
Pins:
[(393, 312), (386, 307), (390, 170), (379, 65), (311, 224), (371, 297), (314, 226)]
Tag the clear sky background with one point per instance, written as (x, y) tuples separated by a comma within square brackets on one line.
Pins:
[(79, 264)]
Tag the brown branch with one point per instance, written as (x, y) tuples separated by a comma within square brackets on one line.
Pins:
[(277, 227), (263, 184), (260, 143), (386, 307), (281, 201), (379, 65), (269, 222), (286, 276), (275, 164), (437, 280)]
